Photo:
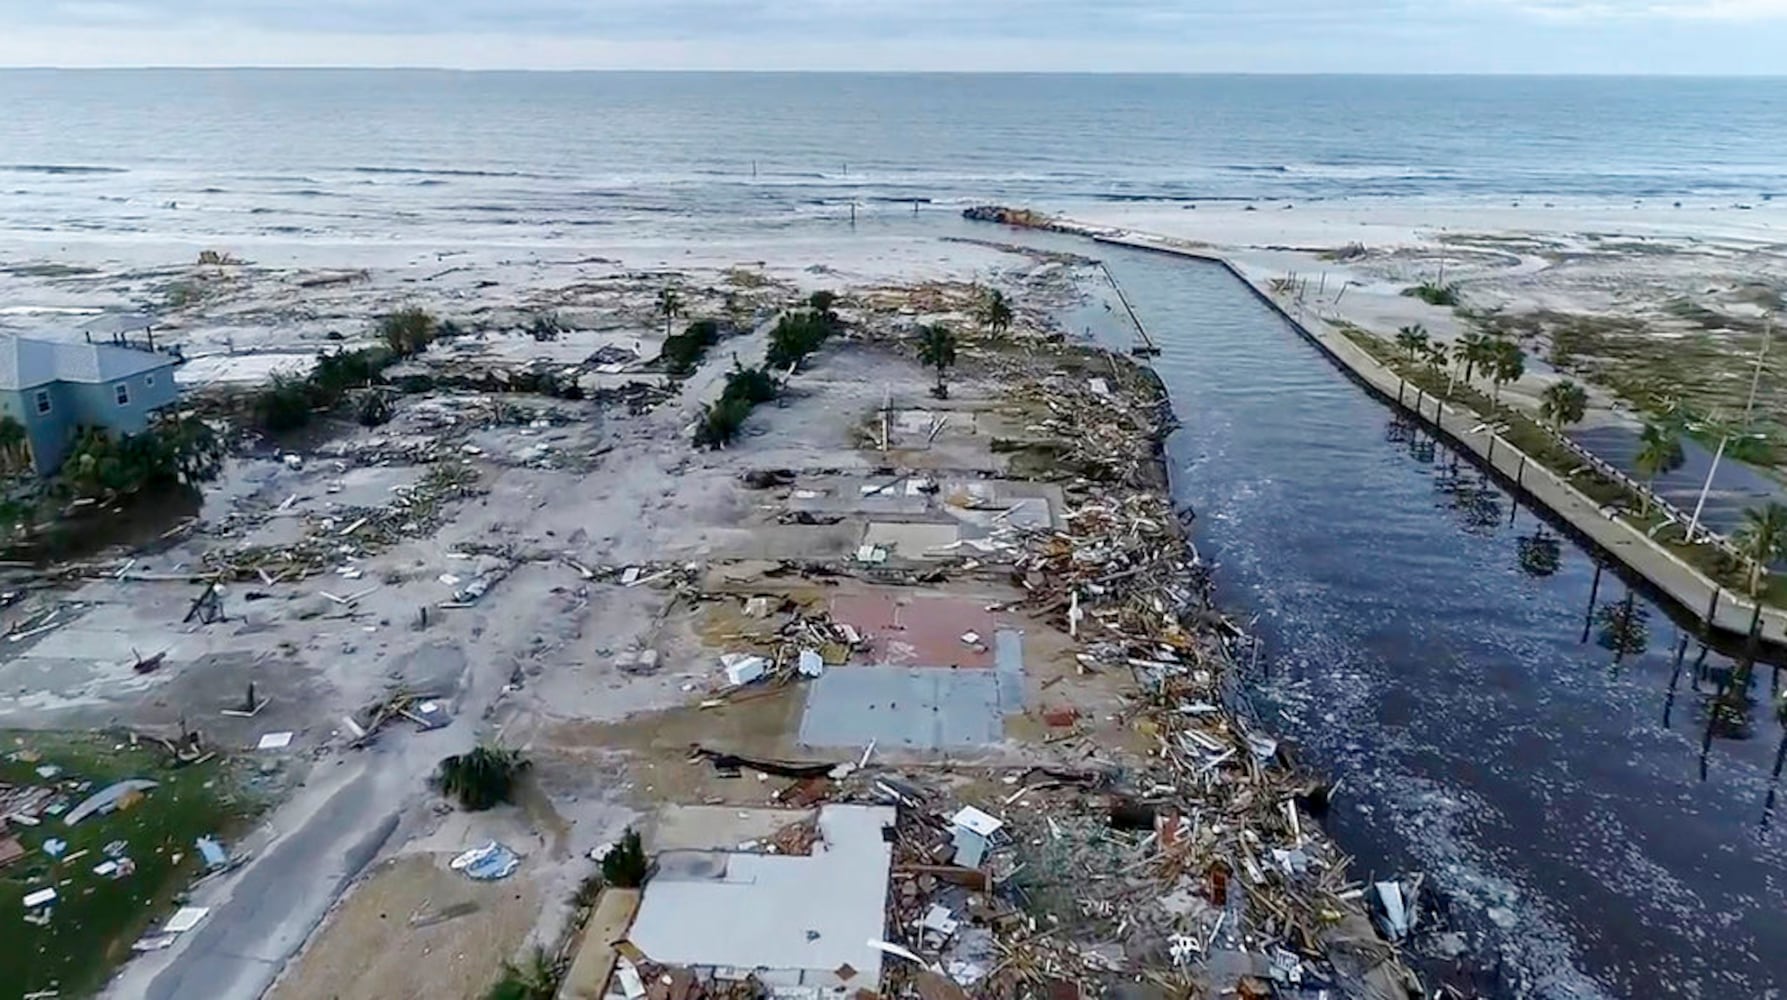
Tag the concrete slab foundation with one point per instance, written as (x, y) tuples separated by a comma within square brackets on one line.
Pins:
[(911, 540), (910, 708), (920, 630), (796, 921)]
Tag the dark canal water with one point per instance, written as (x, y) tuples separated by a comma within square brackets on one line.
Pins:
[(1552, 791)]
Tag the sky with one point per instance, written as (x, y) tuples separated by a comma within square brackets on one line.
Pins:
[(1714, 37)]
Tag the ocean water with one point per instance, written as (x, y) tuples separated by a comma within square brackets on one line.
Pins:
[(401, 155)]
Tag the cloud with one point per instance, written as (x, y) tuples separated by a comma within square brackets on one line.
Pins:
[(674, 19), (1669, 10), (1704, 36)]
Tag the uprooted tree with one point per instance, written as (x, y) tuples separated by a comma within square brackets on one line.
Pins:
[(482, 777)]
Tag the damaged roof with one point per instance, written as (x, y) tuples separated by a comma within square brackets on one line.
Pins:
[(26, 362)]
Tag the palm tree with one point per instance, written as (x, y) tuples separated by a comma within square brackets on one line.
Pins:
[(1507, 363), (1412, 340), (670, 305), (1563, 403), (937, 349), (1476, 352), (1437, 356), (995, 312), (1659, 452), (1762, 540)]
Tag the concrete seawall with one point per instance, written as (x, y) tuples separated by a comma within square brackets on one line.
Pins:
[(1706, 600)]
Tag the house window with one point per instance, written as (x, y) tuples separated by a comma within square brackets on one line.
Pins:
[(43, 401), (123, 392)]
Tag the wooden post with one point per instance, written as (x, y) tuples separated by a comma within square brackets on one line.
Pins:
[(1401, 385), (1520, 473), (1712, 609), (1491, 458)]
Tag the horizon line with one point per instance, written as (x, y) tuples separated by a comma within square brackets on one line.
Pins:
[(824, 71)]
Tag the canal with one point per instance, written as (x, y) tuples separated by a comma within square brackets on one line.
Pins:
[(1480, 728)]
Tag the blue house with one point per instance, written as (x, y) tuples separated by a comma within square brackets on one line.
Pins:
[(55, 388)]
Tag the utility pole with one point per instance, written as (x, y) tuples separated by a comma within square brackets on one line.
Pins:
[(1768, 333)]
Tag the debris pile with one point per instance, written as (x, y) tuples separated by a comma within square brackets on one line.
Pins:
[(1107, 428), (1192, 866), (346, 533), (426, 711), (806, 643)]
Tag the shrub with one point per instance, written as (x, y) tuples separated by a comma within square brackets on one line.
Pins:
[(374, 409), (535, 979), (337, 372), (481, 778), (625, 865), (720, 422), (545, 327), (753, 385), (796, 335), (588, 891), (288, 403), (1433, 293), (282, 406), (182, 451), (407, 331), (685, 350)]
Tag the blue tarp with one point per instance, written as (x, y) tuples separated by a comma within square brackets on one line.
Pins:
[(487, 863), (212, 852)]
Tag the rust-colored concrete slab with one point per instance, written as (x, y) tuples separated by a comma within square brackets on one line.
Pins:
[(931, 630), (919, 630), (876, 614)]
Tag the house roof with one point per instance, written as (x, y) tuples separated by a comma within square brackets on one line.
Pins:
[(26, 362)]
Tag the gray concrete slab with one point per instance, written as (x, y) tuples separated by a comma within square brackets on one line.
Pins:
[(916, 708), (912, 541), (1008, 668)]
